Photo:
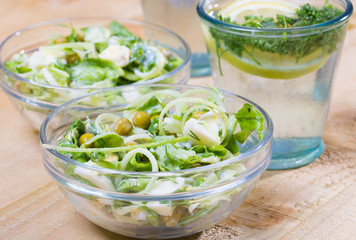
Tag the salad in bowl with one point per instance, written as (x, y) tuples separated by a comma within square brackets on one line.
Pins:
[(50, 63), (165, 162)]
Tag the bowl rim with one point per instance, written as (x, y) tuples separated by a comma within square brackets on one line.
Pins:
[(333, 23), (186, 48), (267, 139)]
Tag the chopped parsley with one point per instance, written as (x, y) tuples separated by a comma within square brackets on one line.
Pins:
[(297, 47)]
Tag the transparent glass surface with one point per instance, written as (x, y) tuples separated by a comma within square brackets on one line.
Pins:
[(35, 100), (294, 89), (180, 16), (183, 213)]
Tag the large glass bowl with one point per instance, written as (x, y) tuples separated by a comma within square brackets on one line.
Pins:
[(194, 210), (35, 100)]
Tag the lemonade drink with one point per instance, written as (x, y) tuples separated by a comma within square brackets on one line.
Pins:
[(288, 71)]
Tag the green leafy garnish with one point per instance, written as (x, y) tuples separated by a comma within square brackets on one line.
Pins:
[(118, 29), (132, 185), (75, 131), (171, 158), (91, 71), (306, 15), (152, 107), (106, 140), (249, 119)]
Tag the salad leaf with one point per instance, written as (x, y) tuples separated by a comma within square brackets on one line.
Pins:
[(52, 75), (229, 141), (90, 71), (153, 106), (232, 146), (143, 57), (17, 62), (120, 203), (153, 128), (132, 185), (173, 63), (73, 36), (75, 131), (198, 181), (80, 157), (107, 164), (171, 158), (82, 49), (151, 217), (105, 140), (139, 163), (96, 34), (90, 127), (97, 156), (118, 29), (100, 46), (217, 150), (249, 119)]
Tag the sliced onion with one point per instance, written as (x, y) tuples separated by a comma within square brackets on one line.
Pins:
[(143, 151), (105, 118), (160, 62), (137, 137)]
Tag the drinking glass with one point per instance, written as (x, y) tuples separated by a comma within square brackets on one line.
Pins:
[(294, 89)]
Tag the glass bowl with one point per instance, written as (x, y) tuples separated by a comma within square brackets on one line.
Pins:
[(35, 100), (168, 215)]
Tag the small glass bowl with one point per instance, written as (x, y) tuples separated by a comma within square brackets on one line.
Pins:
[(35, 100), (194, 210)]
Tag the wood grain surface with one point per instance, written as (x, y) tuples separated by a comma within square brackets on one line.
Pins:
[(313, 202)]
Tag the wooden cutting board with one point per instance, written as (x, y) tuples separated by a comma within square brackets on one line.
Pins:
[(314, 202)]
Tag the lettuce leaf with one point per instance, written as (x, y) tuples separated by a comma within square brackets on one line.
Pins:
[(75, 131), (143, 57), (153, 128), (203, 151), (91, 71), (249, 119), (151, 216), (52, 75), (96, 34), (152, 107), (106, 140), (132, 185), (171, 158), (118, 29), (82, 49), (80, 157), (17, 64)]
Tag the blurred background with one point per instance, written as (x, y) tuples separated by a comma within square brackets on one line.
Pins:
[(17, 14)]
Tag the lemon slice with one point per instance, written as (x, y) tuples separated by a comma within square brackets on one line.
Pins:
[(238, 9), (270, 65), (277, 66)]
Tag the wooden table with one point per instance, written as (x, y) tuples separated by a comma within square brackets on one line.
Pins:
[(314, 202)]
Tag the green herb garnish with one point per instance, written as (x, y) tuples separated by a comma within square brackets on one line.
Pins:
[(296, 47)]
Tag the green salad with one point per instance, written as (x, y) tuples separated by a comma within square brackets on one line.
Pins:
[(94, 57), (160, 131)]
